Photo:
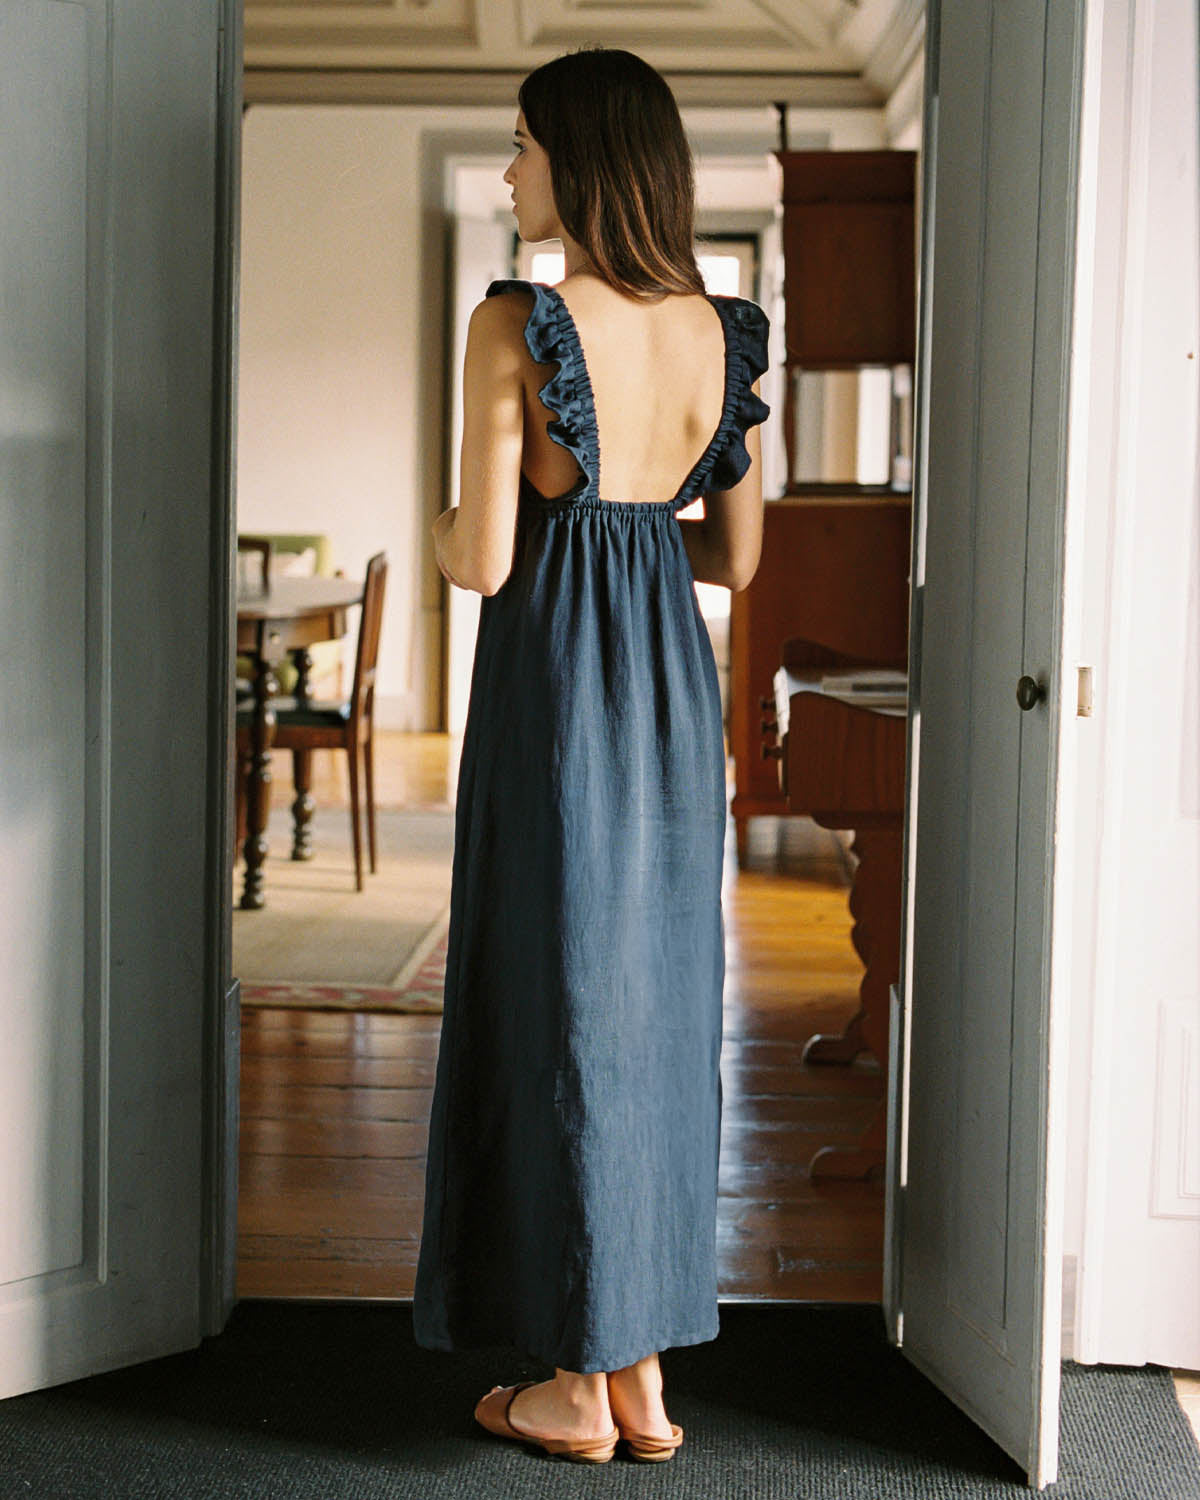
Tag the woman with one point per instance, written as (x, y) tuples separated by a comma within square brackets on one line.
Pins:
[(570, 1205)]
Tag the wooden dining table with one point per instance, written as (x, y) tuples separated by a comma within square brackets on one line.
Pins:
[(285, 619)]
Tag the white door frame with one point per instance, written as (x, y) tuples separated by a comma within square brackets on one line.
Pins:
[(1134, 547)]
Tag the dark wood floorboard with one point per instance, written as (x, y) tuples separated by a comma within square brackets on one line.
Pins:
[(335, 1106)]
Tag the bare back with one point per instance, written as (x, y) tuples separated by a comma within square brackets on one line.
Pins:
[(657, 375)]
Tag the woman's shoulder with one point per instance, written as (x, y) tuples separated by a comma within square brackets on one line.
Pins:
[(512, 304), (511, 297), (510, 289), (528, 315), (505, 302), (501, 318)]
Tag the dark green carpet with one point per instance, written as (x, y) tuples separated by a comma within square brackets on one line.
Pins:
[(310, 1402)]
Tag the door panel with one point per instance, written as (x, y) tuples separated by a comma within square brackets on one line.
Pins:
[(974, 1288), (44, 804), (108, 113)]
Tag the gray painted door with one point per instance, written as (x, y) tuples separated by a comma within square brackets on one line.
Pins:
[(111, 507), (974, 1228)]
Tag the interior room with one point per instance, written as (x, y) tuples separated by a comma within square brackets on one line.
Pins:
[(958, 1226)]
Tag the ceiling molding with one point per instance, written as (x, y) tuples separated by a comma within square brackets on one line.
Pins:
[(882, 37), (898, 46), (699, 25), (906, 102), (289, 31), (868, 41), (467, 86), (814, 24)]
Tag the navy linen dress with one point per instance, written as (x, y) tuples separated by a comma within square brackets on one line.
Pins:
[(571, 1185)]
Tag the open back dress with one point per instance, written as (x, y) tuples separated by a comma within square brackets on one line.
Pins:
[(571, 1181)]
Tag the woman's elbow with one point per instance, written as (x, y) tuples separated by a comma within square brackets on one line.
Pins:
[(491, 583), (475, 581), (739, 570), (472, 568), (487, 575)]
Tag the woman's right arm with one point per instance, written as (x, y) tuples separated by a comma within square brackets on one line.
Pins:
[(725, 546)]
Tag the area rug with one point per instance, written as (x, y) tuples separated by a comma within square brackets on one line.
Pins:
[(421, 994), (337, 1402), (317, 930)]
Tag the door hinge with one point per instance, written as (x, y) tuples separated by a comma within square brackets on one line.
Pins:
[(1083, 704)]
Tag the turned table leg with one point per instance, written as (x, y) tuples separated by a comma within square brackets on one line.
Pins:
[(258, 783), (302, 807), (302, 659)]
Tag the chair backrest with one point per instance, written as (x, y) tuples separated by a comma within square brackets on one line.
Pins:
[(362, 694), (262, 546), (300, 553)]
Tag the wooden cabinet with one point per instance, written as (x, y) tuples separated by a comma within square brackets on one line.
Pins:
[(849, 257), (849, 251)]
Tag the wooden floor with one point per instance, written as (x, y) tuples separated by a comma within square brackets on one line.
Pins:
[(335, 1106)]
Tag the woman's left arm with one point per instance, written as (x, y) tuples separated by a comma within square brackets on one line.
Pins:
[(473, 541)]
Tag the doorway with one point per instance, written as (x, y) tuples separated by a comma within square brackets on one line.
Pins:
[(334, 1103)]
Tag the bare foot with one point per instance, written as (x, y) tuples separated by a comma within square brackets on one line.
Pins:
[(636, 1400), (569, 1406)]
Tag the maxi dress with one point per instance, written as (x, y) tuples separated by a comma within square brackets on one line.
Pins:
[(571, 1180)]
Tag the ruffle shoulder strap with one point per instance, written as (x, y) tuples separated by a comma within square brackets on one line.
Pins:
[(746, 331), (551, 339)]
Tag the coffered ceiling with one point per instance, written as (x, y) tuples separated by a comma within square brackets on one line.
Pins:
[(816, 52)]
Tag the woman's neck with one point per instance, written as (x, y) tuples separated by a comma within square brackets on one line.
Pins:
[(576, 257)]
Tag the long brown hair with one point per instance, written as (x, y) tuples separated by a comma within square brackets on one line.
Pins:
[(620, 167)]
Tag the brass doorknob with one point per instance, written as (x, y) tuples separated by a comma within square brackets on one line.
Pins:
[(1030, 692)]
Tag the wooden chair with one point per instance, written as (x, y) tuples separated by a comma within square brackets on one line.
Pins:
[(261, 545), (304, 727)]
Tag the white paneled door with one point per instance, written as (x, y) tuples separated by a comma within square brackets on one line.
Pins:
[(975, 1212), (112, 313)]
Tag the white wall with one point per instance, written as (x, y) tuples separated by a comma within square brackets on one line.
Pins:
[(1127, 942), (326, 418)]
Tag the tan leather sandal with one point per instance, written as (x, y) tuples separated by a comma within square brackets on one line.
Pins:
[(651, 1450), (492, 1412)]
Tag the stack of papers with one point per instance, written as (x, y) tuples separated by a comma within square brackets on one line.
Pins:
[(872, 688)]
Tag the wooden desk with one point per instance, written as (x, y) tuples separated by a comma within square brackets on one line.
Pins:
[(293, 615)]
